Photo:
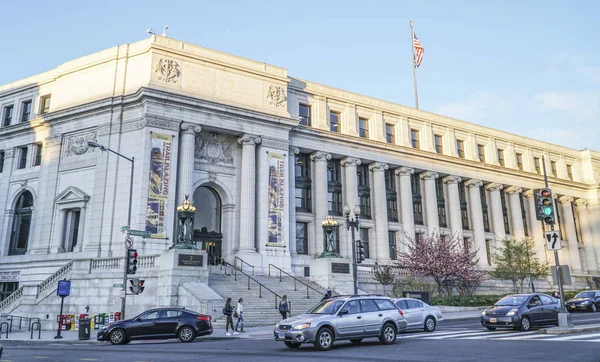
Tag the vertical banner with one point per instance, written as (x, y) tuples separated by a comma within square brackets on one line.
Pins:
[(158, 187), (276, 194)]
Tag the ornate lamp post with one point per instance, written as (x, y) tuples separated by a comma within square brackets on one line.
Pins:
[(185, 217), (352, 224), (329, 225)]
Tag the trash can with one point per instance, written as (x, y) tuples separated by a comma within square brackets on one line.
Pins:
[(84, 328)]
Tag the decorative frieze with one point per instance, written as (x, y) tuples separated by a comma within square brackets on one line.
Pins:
[(167, 70), (214, 149), (276, 96), (77, 144)]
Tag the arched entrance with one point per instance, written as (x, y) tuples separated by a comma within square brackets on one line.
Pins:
[(19, 236), (207, 223)]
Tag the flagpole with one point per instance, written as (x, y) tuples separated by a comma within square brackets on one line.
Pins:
[(414, 63)]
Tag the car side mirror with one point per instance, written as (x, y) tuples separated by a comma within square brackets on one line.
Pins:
[(343, 312)]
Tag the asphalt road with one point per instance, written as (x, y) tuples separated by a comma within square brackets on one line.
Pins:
[(454, 341)]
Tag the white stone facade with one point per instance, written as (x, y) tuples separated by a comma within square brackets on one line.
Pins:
[(227, 118)]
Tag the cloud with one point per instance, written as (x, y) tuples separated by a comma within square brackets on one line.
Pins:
[(580, 106), (477, 106)]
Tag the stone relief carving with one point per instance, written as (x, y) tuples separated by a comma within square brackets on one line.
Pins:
[(168, 70), (77, 144), (276, 96), (213, 149)]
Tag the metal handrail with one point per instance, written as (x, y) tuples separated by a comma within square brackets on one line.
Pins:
[(295, 280), (242, 262)]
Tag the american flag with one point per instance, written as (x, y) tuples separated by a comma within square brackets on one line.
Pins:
[(419, 50)]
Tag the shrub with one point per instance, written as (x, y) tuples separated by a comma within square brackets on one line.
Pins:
[(466, 301)]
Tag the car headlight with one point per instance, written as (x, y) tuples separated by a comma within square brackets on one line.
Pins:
[(277, 326), (512, 312), (483, 313), (586, 302), (300, 327)]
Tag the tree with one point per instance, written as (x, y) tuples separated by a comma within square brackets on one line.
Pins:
[(384, 274), (445, 260), (515, 260)]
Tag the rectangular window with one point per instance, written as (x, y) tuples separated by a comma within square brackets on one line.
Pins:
[(1, 161), (439, 147), (520, 161), (335, 122), (363, 127), (303, 183), (464, 214), (7, 115), (364, 191), (536, 163), (25, 111), (392, 244), (481, 153), (504, 212), (390, 195), (45, 104), (460, 148), (441, 202), (570, 172), (524, 215), (364, 237), (334, 187), (301, 238), (501, 157), (390, 136), (484, 210), (305, 115), (415, 184), (7, 288), (414, 138), (553, 168), (73, 230), (22, 158), (38, 155)]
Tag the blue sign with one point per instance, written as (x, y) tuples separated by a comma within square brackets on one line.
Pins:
[(64, 288)]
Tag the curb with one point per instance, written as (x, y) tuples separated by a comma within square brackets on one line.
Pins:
[(572, 330)]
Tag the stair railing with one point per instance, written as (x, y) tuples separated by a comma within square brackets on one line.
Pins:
[(296, 280), (242, 262)]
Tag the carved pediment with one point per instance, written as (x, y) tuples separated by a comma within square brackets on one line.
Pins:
[(71, 194)]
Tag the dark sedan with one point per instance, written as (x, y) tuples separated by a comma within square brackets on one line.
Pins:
[(588, 300), (521, 311), (160, 323)]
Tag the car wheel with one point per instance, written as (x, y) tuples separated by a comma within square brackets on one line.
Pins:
[(525, 324), (117, 336), (324, 340), (491, 328), (186, 334), (429, 325), (291, 345), (356, 341), (593, 309), (388, 334)]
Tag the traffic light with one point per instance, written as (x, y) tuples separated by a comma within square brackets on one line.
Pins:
[(137, 285), (360, 251), (131, 261), (544, 204)]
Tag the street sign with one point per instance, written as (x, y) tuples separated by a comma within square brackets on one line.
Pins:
[(128, 242), (117, 285), (124, 228), (553, 240), (64, 288), (142, 233)]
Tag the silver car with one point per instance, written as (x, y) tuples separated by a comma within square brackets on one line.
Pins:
[(343, 318), (419, 314)]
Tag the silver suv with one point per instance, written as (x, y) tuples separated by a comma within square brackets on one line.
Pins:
[(343, 318)]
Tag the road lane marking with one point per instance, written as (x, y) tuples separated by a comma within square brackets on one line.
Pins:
[(466, 335), (493, 335), (88, 359), (576, 337), (421, 335), (41, 357)]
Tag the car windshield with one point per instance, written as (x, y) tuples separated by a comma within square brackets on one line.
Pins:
[(512, 300), (585, 295), (327, 307)]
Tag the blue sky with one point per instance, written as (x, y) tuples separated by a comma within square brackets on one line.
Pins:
[(526, 67)]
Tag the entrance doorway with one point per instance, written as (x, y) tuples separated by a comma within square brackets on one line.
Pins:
[(207, 223)]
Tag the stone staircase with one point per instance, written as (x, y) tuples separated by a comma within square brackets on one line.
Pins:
[(263, 311)]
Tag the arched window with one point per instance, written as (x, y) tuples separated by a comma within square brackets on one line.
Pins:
[(21, 224), (208, 209)]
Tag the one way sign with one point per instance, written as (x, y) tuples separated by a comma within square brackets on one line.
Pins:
[(553, 240)]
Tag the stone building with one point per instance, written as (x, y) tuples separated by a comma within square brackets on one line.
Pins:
[(265, 158)]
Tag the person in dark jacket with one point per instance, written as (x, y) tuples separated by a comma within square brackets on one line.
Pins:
[(327, 295), (228, 312), (284, 307)]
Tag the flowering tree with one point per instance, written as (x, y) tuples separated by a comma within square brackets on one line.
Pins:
[(515, 260), (445, 260)]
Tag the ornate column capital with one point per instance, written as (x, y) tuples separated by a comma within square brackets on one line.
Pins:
[(429, 175), (451, 179), (494, 186), (565, 199), (9, 153), (528, 194), (473, 183), (581, 203), (320, 156), (294, 150), (378, 166), (514, 190), (190, 128), (350, 161), (405, 171), (249, 139)]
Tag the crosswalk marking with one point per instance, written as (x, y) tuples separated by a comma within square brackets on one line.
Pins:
[(576, 337), (421, 335), (467, 334), (503, 335)]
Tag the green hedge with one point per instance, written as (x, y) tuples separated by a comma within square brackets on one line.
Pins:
[(478, 300)]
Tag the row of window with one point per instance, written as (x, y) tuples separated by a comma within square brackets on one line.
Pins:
[(363, 132), (23, 157), (25, 114)]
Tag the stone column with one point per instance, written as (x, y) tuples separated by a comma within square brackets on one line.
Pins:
[(247, 193), (5, 227), (292, 204), (569, 224), (477, 220), (319, 187), (186, 161), (406, 206), (58, 246), (497, 217), (433, 223), (537, 231), (594, 217), (454, 202), (350, 190), (518, 229), (587, 235), (381, 217)]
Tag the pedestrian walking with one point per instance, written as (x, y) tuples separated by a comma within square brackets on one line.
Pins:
[(228, 312), (284, 308), (239, 311), (327, 295), (555, 294)]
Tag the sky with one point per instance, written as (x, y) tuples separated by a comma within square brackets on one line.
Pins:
[(527, 67)]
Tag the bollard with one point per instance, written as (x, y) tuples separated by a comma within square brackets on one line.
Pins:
[(39, 329), (2, 325)]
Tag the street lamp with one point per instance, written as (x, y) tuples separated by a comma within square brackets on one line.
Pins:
[(352, 224), (94, 144)]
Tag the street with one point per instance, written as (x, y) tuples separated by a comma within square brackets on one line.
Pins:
[(453, 341)]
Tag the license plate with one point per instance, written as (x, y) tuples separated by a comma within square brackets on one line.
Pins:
[(281, 335), (493, 320)]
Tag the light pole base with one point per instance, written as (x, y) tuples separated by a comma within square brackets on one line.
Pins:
[(564, 320)]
